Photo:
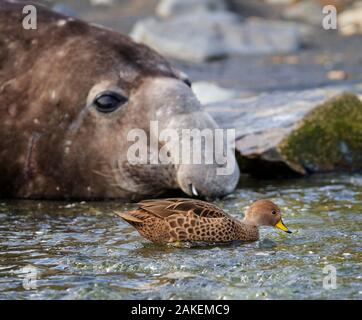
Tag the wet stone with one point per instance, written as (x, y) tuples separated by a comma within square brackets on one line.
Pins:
[(295, 133), (306, 11), (204, 36), (208, 92), (169, 8), (350, 21)]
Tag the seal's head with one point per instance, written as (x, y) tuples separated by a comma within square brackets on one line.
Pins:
[(147, 103), (80, 99)]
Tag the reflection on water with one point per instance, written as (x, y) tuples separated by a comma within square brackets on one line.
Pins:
[(82, 251)]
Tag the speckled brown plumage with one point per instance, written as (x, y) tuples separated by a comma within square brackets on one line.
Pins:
[(174, 220)]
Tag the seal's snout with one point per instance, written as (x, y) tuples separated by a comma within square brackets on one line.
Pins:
[(202, 153), (203, 181)]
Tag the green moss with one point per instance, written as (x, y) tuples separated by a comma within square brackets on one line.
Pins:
[(328, 139)]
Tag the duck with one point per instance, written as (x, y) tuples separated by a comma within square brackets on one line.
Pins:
[(177, 220)]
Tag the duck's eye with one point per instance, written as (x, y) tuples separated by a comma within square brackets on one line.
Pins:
[(109, 101), (274, 212), (188, 82)]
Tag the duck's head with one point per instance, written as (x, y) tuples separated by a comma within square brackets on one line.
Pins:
[(265, 213)]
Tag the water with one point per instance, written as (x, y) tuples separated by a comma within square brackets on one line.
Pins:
[(61, 250)]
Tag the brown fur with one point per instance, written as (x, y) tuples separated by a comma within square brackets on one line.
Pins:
[(53, 143), (69, 60)]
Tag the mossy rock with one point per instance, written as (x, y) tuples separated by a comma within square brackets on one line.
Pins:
[(328, 139), (295, 133)]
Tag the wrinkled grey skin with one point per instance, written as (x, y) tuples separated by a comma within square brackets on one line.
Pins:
[(55, 144)]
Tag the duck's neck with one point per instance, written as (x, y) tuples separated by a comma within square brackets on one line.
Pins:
[(248, 231)]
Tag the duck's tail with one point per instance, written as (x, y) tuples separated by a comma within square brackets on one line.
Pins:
[(130, 217)]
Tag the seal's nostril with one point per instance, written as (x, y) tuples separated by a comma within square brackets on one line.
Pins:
[(193, 190)]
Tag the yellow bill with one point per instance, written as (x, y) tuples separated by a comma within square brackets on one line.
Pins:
[(280, 225)]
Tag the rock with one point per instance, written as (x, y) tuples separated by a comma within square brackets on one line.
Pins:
[(64, 9), (306, 11), (101, 2), (266, 37), (280, 2), (295, 133), (170, 8), (200, 36), (119, 15), (207, 92), (193, 37), (350, 21)]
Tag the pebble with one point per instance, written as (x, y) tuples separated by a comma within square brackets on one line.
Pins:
[(337, 75), (350, 21), (208, 92)]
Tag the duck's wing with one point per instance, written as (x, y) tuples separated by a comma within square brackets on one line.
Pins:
[(166, 207)]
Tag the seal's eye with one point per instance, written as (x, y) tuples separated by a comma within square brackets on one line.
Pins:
[(109, 101), (274, 212)]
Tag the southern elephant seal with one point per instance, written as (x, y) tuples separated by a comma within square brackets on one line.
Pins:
[(70, 93)]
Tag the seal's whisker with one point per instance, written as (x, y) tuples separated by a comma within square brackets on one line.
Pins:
[(115, 170), (121, 176), (111, 179), (102, 174)]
